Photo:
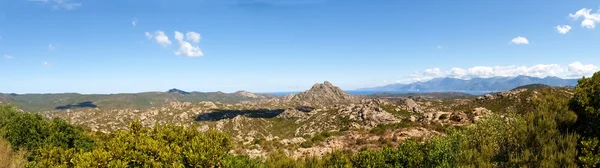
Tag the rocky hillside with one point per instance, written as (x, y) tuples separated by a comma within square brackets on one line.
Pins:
[(322, 94), (146, 100), (301, 129)]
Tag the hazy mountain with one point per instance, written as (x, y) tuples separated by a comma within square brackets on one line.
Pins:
[(61, 101), (475, 84)]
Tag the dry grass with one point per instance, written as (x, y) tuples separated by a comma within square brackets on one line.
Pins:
[(10, 158)]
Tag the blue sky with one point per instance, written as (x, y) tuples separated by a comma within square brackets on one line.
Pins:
[(101, 46)]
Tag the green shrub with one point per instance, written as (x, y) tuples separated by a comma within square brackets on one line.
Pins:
[(306, 144), (243, 161), (443, 116)]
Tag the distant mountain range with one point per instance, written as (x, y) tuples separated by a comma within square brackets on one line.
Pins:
[(63, 101), (473, 85)]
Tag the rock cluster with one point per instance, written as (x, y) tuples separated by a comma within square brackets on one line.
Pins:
[(480, 113), (412, 105), (370, 114), (292, 113), (507, 94), (322, 94)]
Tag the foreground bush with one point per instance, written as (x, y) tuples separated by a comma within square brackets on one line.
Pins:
[(32, 132), (161, 146)]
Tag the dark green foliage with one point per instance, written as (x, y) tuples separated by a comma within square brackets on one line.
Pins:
[(32, 132), (408, 154), (443, 116), (280, 159), (337, 159), (589, 152), (243, 161), (171, 146), (382, 128), (306, 144), (586, 103)]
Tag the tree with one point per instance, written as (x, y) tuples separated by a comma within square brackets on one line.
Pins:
[(586, 103)]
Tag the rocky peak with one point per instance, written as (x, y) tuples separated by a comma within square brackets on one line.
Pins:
[(323, 93), (177, 91)]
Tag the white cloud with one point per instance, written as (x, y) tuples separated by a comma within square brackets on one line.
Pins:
[(589, 19), (186, 48), (577, 69), (134, 22), (563, 29), (7, 56), (519, 40), (161, 38), (178, 36), (573, 70), (439, 47), (51, 47), (59, 4), (588, 23), (193, 37)]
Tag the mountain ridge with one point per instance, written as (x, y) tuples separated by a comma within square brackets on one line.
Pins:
[(475, 84)]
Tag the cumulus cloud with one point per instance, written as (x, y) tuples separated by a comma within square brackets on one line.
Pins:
[(519, 40), (589, 19), (577, 69), (160, 37), (573, 70), (193, 37), (7, 56), (185, 47), (59, 4), (563, 29), (134, 22)]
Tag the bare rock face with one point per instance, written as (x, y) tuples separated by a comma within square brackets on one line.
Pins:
[(295, 140), (324, 93), (507, 94), (249, 94), (369, 114), (412, 105), (291, 113), (459, 117), (208, 104)]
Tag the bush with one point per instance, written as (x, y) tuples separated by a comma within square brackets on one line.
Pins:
[(586, 104), (32, 132), (243, 161), (306, 144)]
